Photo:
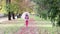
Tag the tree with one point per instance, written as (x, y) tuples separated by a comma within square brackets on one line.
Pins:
[(53, 7), (8, 9), (12, 9), (41, 8)]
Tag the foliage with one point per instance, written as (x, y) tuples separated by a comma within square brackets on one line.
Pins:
[(12, 8), (41, 8), (53, 7)]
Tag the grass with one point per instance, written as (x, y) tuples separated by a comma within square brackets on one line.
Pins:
[(50, 30), (12, 29), (9, 28)]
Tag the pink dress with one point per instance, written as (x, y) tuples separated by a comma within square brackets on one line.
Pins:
[(26, 20)]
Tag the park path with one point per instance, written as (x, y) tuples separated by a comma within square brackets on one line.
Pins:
[(3, 19), (32, 27), (29, 29)]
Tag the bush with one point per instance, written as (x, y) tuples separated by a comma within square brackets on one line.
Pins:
[(58, 23)]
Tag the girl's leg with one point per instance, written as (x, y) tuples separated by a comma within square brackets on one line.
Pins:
[(26, 23)]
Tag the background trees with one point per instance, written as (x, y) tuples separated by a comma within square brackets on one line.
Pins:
[(12, 9), (44, 8), (17, 7), (52, 7), (41, 8)]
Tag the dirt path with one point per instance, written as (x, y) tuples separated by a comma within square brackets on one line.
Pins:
[(28, 30), (3, 19)]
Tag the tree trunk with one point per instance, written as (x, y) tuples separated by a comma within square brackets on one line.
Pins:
[(13, 15), (9, 15), (20, 15)]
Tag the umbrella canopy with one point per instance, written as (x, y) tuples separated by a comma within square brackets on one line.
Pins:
[(23, 15)]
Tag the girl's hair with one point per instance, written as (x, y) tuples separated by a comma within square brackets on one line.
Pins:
[(26, 14)]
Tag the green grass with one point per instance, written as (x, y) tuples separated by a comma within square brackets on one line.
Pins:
[(13, 29), (50, 30), (9, 28), (35, 17)]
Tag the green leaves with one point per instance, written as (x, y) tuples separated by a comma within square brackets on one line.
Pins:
[(53, 7), (12, 7)]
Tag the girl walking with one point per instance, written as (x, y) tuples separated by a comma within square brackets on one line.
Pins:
[(26, 18)]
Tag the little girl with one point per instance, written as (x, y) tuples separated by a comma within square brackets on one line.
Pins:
[(27, 18)]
